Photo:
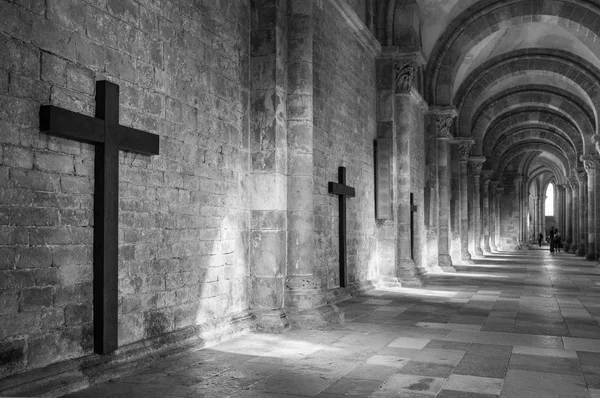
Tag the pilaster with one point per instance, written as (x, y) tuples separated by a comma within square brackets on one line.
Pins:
[(485, 242), (493, 214), (583, 211), (590, 163), (475, 222)]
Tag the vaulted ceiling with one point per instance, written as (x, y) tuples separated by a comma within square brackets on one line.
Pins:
[(523, 75)]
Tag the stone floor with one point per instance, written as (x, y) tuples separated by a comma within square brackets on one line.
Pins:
[(511, 325)]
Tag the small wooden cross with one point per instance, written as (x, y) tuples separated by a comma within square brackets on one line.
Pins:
[(413, 210), (342, 190), (109, 137)]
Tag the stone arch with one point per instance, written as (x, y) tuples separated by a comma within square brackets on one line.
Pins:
[(529, 118), (538, 147), (499, 105), (486, 17)]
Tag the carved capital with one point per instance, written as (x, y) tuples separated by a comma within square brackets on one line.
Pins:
[(486, 175), (596, 141), (464, 148), (404, 75), (582, 176), (574, 181), (477, 164), (590, 163), (494, 185), (443, 123)]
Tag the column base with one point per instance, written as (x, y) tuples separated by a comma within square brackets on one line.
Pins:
[(493, 248), (408, 274), (445, 263), (387, 282), (271, 321), (590, 256), (581, 251), (478, 252), (316, 318)]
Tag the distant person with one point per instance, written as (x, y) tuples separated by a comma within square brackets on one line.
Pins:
[(551, 239), (540, 238), (557, 241)]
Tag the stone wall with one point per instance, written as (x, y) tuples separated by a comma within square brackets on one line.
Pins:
[(182, 68), (344, 133)]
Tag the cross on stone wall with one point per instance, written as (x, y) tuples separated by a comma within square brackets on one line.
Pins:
[(342, 190), (108, 137), (413, 210)]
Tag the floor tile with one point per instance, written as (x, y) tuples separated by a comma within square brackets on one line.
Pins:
[(519, 384), (398, 383), (426, 369), (409, 342), (535, 363), (481, 385), (440, 356)]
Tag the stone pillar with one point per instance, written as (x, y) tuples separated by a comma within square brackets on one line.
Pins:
[(518, 181), (590, 167), (475, 222), (443, 123), (304, 297), (574, 214), (455, 200), (498, 199), (540, 213), (464, 152), (493, 210), (525, 211), (268, 149), (568, 234), (387, 229), (485, 211), (583, 210)]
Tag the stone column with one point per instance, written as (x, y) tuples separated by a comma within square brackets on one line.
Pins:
[(498, 199), (386, 147), (304, 296), (493, 209), (455, 200), (464, 152), (583, 209), (540, 213), (590, 167), (267, 180), (485, 211), (475, 222), (518, 181), (574, 214), (525, 210), (443, 123)]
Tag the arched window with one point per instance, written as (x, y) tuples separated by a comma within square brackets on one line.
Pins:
[(549, 206)]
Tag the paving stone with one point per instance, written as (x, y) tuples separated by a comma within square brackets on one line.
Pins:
[(519, 383), (536, 363)]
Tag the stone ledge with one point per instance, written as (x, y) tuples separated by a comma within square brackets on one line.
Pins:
[(69, 376)]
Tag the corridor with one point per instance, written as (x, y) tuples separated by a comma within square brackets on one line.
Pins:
[(519, 324)]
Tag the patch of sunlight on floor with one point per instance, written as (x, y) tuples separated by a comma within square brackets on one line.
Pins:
[(421, 292)]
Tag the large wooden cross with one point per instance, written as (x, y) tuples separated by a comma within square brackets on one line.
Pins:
[(109, 137), (413, 210), (342, 190)]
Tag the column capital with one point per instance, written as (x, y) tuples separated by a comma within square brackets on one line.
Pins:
[(444, 116), (464, 147), (494, 184), (486, 174), (590, 162), (574, 181), (477, 164)]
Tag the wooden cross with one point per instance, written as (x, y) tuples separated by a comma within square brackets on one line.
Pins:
[(109, 137), (342, 190), (413, 210)]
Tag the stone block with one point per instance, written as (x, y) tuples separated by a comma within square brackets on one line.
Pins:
[(25, 87), (80, 79), (79, 185), (126, 10), (67, 13), (268, 253), (72, 100), (267, 191), (18, 279), (7, 257), (76, 314), (10, 235), (14, 156), (42, 351), (101, 27), (54, 69), (131, 328), (22, 323), (266, 293), (34, 180), (61, 236), (9, 302), (52, 318), (157, 323), (38, 297), (20, 111), (33, 216), (34, 257)]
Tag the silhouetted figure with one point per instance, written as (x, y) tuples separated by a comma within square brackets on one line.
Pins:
[(551, 239), (540, 238), (557, 241)]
